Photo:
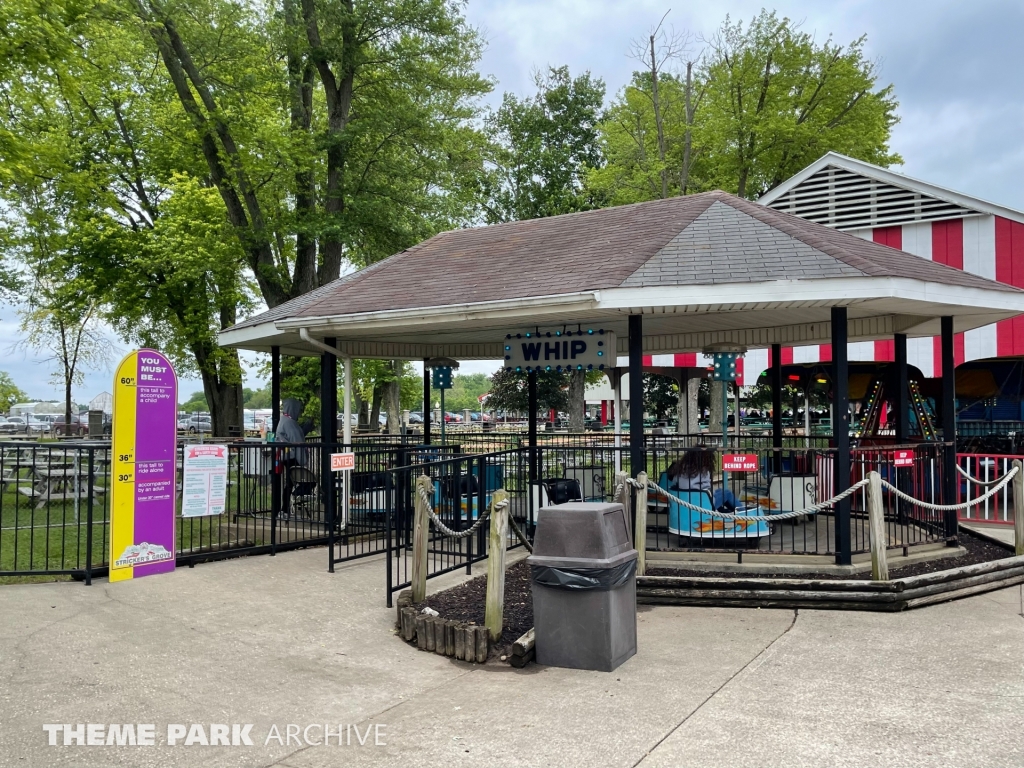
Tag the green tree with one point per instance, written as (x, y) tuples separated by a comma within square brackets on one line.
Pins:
[(326, 133), (9, 392), (257, 399), (758, 104), (196, 403), (510, 392), (777, 100), (661, 395), (542, 147)]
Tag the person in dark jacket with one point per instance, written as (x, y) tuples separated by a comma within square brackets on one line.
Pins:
[(287, 430)]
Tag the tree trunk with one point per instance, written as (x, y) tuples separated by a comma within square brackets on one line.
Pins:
[(393, 399), (222, 385), (378, 397), (658, 121), (715, 418), (225, 401), (684, 180), (693, 409), (577, 400), (69, 428)]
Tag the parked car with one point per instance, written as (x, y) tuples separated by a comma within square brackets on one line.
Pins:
[(195, 424), (14, 424), (415, 417), (42, 422), (79, 425)]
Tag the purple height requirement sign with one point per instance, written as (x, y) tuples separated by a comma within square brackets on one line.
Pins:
[(156, 424)]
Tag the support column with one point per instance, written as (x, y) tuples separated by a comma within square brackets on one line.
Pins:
[(426, 403), (275, 417), (949, 426), (901, 389), (531, 426), (328, 427), (617, 415), (683, 403), (841, 433), (776, 375), (636, 395)]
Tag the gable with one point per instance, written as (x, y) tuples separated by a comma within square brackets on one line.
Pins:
[(843, 199)]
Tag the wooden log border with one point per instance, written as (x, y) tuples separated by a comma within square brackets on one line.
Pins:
[(445, 637), (840, 594), (471, 642)]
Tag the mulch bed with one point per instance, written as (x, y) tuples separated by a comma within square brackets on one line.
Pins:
[(978, 551), (466, 601)]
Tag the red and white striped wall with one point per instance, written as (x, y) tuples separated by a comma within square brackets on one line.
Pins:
[(986, 245)]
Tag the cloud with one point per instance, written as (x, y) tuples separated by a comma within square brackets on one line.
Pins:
[(955, 66)]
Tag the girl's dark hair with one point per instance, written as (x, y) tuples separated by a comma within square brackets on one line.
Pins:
[(693, 463)]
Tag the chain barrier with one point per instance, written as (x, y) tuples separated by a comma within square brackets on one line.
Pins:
[(1003, 481), (766, 518)]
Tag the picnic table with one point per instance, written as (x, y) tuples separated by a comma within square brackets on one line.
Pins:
[(58, 482)]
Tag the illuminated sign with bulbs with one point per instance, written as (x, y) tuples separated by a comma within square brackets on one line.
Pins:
[(582, 349)]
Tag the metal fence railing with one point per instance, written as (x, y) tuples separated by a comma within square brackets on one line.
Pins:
[(55, 505), (55, 501), (985, 468)]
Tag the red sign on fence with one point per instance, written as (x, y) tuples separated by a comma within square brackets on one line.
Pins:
[(903, 458), (342, 461), (739, 462)]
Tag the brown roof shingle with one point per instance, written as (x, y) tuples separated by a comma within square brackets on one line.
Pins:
[(707, 238)]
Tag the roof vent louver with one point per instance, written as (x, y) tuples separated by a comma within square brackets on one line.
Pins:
[(844, 200)]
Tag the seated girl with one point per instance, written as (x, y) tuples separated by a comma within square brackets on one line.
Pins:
[(692, 472)]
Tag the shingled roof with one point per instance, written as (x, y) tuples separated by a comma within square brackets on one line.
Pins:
[(682, 260), (699, 239)]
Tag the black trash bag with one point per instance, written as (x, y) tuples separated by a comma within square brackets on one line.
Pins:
[(583, 578)]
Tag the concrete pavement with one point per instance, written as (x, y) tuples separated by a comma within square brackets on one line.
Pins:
[(274, 642)]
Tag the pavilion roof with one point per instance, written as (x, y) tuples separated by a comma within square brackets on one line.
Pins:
[(643, 250)]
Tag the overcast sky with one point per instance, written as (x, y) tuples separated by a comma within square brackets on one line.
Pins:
[(956, 67)]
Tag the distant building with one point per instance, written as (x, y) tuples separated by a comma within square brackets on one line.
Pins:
[(24, 409), (104, 401)]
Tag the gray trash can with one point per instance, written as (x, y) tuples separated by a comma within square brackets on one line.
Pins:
[(583, 570)]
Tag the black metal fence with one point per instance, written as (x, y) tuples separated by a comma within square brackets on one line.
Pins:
[(55, 504)]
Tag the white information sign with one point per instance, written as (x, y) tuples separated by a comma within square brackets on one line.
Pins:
[(587, 349), (205, 480)]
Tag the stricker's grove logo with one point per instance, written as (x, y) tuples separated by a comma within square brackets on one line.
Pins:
[(213, 735), (140, 554)]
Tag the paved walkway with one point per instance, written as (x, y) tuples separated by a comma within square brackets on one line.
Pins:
[(278, 641)]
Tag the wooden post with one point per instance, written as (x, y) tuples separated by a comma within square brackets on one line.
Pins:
[(876, 527), (1018, 508), (494, 608), (420, 531), (640, 540), (622, 489)]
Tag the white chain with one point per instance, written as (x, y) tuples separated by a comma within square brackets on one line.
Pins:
[(426, 498), (950, 507), (769, 518)]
